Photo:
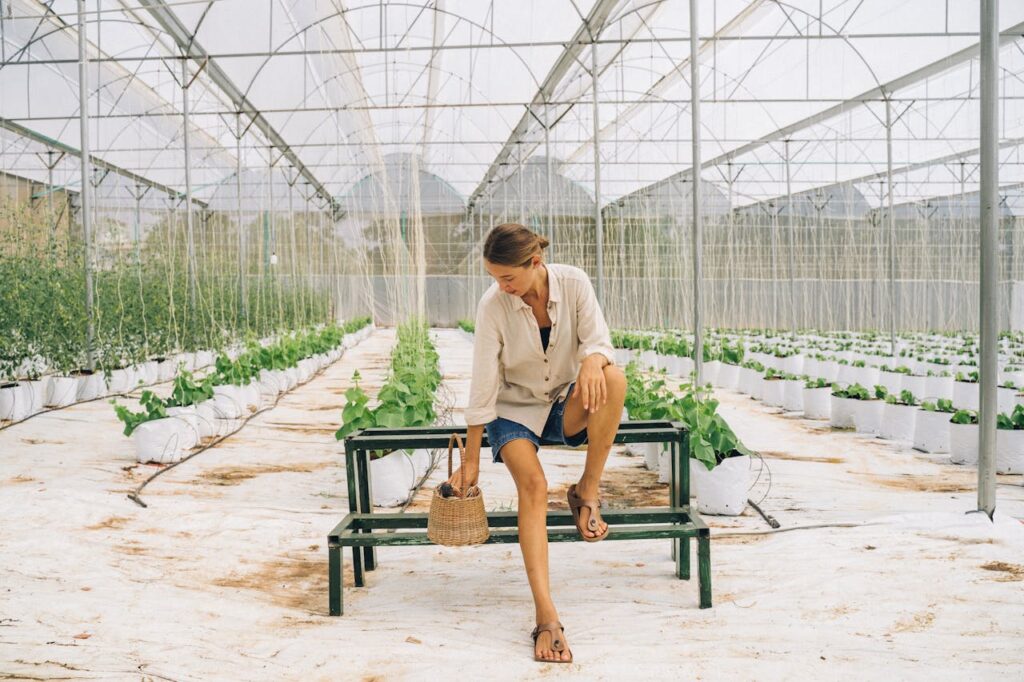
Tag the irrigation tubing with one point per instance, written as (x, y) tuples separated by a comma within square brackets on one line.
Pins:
[(135, 495)]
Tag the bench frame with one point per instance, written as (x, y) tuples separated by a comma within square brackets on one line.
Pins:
[(357, 530)]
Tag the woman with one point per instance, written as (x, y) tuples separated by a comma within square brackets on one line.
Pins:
[(542, 374)]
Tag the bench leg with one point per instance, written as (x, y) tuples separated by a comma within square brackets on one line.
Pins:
[(336, 580), (357, 566), (363, 462), (681, 553), (704, 569)]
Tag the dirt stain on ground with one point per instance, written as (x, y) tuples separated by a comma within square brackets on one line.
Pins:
[(774, 454), (303, 428), (925, 484), (738, 539), (132, 548), (628, 486), (112, 522), (1012, 573), (296, 582), (21, 479), (225, 476), (41, 441), (916, 623)]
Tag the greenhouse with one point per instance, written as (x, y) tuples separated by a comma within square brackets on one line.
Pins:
[(729, 292)]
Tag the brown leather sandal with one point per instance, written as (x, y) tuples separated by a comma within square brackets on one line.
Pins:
[(575, 502), (557, 643)]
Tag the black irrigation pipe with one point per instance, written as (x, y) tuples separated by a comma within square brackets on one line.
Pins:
[(134, 495), (83, 402)]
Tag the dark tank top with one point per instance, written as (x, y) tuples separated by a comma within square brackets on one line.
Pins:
[(545, 336)]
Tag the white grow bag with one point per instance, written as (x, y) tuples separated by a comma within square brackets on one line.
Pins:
[(723, 490)]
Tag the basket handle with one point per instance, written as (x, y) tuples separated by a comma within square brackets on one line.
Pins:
[(452, 441)]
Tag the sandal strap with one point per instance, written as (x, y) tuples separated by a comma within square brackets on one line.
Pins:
[(556, 642)]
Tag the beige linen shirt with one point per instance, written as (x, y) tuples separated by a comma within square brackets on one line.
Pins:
[(513, 377)]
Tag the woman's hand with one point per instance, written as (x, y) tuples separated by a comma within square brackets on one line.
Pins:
[(591, 384), (472, 478)]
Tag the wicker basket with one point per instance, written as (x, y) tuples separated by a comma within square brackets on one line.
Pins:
[(460, 519)]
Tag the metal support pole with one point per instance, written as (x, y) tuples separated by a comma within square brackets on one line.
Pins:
[(547, 159), (189, 234), (242, 303), (139, 193), (775, 263), (892, 226), (83, 122), (598, 224), (791, 221), (698, 237), (989, 326)]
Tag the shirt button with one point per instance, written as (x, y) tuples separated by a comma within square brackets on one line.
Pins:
[(545, 360), (546, 378)]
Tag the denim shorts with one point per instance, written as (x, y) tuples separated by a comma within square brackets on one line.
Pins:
[(501, 431)]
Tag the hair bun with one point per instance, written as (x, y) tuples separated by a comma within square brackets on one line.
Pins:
[(543, 242)]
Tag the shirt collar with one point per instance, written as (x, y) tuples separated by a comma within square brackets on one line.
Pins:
[(554, 291)]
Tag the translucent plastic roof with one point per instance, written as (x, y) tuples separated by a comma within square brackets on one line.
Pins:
[(327, 90)]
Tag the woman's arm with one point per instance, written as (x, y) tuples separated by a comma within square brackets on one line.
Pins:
[(595, 349), (474, 437)]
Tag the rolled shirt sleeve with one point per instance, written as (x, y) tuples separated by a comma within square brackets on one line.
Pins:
[(486, 380), (594, 336)]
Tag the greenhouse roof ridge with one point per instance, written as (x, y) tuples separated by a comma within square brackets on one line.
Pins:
[(883, 90), (589, 29), (169, 22)]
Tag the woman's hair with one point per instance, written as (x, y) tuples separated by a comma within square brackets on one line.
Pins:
[(512, 245)]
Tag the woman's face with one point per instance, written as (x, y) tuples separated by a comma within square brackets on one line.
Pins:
[(514, 280)]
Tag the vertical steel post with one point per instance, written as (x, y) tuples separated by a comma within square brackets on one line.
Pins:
[(189, 234), (547, 159), (790, 219), (83, 122), (989, 323), (892, 227), (698, 237), (242, 303), (598, 224)]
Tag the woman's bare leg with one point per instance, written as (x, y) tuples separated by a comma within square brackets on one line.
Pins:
[(520, 456), (601, 426)]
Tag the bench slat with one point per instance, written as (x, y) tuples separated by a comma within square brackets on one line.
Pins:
[(352, 538)]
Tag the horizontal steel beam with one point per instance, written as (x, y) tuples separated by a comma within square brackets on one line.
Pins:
[(30, 134), (947, 63)]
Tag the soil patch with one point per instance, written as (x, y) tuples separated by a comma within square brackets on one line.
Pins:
[(1013, 573), (296, 582), (225, 476), (113, 522), (21, 479), (774, 454), (939, 483), (303, 428), (628, 486)]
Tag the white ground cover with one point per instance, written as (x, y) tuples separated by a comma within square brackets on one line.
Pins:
[(224, 576)]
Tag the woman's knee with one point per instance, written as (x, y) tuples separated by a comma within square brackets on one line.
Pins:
[(615, 380)]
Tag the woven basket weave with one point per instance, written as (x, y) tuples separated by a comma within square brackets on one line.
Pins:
[(460, 519)]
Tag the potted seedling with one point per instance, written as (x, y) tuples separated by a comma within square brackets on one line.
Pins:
[(816, 398), (772, 392), (965, 390), (898, 416), (931, 425), (793, 392), (721, 470), (868, 409), (1010, 442), (843, 409), (963, 437)]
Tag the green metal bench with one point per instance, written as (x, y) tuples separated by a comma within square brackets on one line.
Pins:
[(364, 531)]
